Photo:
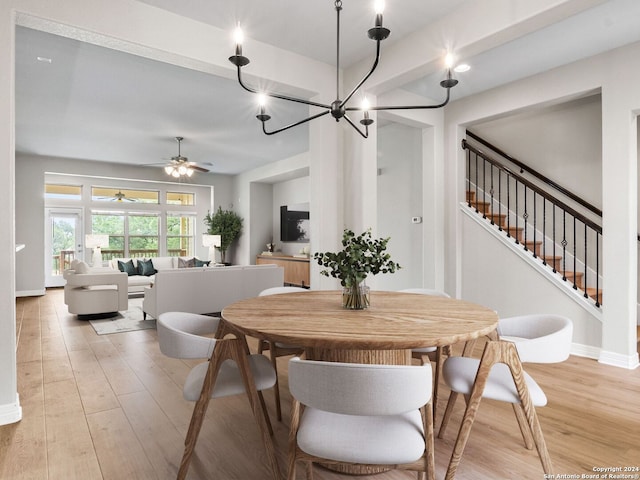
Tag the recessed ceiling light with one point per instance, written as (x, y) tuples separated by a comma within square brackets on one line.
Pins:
[(463, 67), (44, 59)]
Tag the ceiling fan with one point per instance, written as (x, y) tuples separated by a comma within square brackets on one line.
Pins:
[(117, 197), (120, 197), (181, 166)]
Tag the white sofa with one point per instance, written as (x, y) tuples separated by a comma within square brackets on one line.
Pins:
[(91, 292), (137, 283), (207, 289)]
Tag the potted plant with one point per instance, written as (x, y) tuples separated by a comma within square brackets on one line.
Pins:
[(227, 224), (361, 255)]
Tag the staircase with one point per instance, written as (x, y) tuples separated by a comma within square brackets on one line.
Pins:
[(565, 240)]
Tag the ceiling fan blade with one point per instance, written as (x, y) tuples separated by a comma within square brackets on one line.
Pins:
[(200, 169)]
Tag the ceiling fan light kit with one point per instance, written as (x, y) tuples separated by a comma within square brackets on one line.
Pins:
[(180, 166), (338, 108)]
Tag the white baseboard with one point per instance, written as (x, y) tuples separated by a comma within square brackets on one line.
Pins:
[(618, 360), (11, 413), (586, 351), (30, 293)]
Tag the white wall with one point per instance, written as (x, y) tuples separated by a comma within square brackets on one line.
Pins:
[(400, 199), (260, 223), (562, 142)]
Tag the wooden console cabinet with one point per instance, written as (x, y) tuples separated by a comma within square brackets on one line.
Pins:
[(296, 270)]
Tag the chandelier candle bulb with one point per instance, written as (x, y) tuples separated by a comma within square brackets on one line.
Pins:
[(238, 37), (262, 102), (448, 61), (379, 9), (366, 121)]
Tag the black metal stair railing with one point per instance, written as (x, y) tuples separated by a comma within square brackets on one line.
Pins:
[(536, 219)]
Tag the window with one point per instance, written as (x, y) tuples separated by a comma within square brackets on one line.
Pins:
[(130, 234), (180, 231), (180, 198), (68, 192), (143, 235), (112, 224), (121, 195)]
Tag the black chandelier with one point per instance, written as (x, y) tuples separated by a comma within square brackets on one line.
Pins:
[(338, 108)]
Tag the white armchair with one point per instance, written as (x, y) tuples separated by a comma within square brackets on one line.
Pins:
[(91, 293)]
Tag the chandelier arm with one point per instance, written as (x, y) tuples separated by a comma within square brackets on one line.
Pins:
[(287, 127), (364, 135), (276, 95), (364, 79), (407, 107)]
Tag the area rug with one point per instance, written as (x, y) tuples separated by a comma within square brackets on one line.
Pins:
[(128, 321)]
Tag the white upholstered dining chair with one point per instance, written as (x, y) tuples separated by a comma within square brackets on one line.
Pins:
[(375, 415), (434, 354), (183, 335), (499, 375), (278, 349)]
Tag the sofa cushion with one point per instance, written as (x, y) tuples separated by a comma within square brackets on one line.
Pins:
[(127, 267), (140, 281), (186, 263), (145, 267), (162, 263)]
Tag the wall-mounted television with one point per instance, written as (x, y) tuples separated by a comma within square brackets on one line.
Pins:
[(294, 223)]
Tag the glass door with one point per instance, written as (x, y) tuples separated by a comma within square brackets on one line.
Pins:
[(63, 234)]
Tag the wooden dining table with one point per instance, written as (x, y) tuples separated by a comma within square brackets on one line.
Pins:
[(384, 333)]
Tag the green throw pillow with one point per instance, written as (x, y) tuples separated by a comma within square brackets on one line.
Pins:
[(145, 267), (202, 263), (127, 267)]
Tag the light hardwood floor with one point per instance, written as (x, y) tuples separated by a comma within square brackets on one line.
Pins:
[(111, 407)]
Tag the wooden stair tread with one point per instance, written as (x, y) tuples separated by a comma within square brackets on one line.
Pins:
[(573, 277), (571, 274), (595, 294), (511, 230)]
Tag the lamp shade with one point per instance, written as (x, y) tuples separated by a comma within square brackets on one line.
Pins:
[(93, 241), (211, 240)]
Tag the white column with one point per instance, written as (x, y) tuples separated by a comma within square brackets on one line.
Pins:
[(360, 170), (620, 224), (10, 410), (326, 193)]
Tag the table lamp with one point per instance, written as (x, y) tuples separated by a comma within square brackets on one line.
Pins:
[(212, 241), (96, 242)]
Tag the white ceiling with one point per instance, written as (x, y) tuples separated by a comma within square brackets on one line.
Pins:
[(99, 104)]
